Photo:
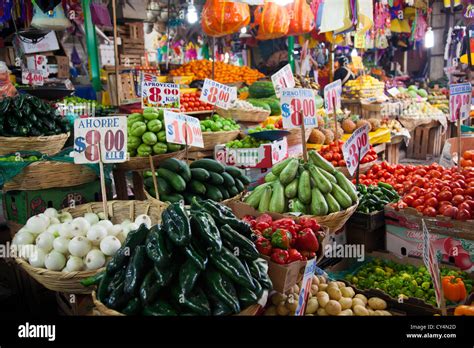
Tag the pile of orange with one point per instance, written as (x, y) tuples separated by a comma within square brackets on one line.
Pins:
[(467, 159), (223, 73)]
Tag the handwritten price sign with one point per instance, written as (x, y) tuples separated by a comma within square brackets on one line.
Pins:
[(217, 94), (332, 96), (355, 148), (297, 101), (183, 129), (283, 79), (32, 77), (101, 138), (460, 100), (161, 95)]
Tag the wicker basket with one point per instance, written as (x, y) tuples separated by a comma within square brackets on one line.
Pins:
[(294, 138), (102, 310), (49, 145), (211, 139), (143, 163), (42, 175), (118, 211), (244, 116)]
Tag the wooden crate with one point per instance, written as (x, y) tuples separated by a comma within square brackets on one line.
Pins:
[(134, 30), (353, 105), (126, 86), (426, 141), (130, 59), (370, 222)]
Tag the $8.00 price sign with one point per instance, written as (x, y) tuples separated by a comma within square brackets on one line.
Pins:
[(282, 79), (355, 148), (217, 94), (101, 138), (183, 129), (460, 100), (161, 95), (332, 96), (297, 101)]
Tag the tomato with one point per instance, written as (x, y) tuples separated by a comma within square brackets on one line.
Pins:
[(464, 205), (387, 175), (417, 202), (341, 163), (458, 199), (328, 156), (420, 208), (454, 185), (458, 191), (191, 104), (450, 212), (429, 211), (408, 199), (421, 172), (429, 195), (442, 208), (432, 202), (470, 202), (445, 196), (463, 214), (468, 155), (334, 163), (435, 173)]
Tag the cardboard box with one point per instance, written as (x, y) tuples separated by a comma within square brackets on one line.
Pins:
[(367, 229), (48, 43)]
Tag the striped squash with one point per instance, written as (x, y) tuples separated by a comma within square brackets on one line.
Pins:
[(301, 18), (223, 18), (273, 21)]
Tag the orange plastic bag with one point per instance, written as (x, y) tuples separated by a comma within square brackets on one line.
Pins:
[(301, 18), (224, 18), (273, 21)]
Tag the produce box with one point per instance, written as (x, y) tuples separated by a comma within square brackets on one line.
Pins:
[(405, 236), (256, 176), (19, 206), (264, 156), (367, 229), (370, 222), (450, 150)]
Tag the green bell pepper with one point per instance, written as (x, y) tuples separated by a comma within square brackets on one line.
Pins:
[(159, 148), (149, 138), (154, 126), (138, 129)]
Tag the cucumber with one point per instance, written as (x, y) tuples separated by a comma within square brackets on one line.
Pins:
[(200, 174), (289, 172), (185, 173), (175, 180), (173, 164), (244, 179), (151, 191), (333, 206), (253, 198), (148, 182), (346, 185), (213, 193), (163, 187), (224, 192), (197, 187), (265, 199), (328, 175), (208, 164), (278, 168), (323, 184), (291, 190), (277, 202), (321, 162), (319, 206), (239, 185), (228, 179), (172, 198), (235, 172), (304, 187), (216, 179), (296, 206), (233, 191), (341, 197), (270, 177)]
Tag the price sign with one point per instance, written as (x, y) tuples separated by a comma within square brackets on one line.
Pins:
[(297, 101), (459, 100), (283, 79), (32, 77), (306, 286), (217, 94), (431, 262), (356, 147), (161, 95), (332, 96), (183, 129), (393, 91), (101, 138)]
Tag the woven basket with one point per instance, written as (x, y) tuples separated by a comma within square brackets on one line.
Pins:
[(48, 174), (143, 163), (363, 168), (49, 145), (211, 139), (69, 282), (102, 310), (294, 138), (244, 116)]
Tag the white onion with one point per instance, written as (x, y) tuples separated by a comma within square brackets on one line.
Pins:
[(143, 219), (107, 224), (37, 224), (109, 245), (54, 261), (121, 237), (64, 216), (54, 230), (96, 233), (79, 246), (37, 258), (61, 244), (80, 226), (115, 230), (125, 222), (91, 218), (74, 264), (101, 215), (23, 237), (53, 221), (132, 227), (45, 241), (94, 259), (51, 213), (23, 251), (65, 230)]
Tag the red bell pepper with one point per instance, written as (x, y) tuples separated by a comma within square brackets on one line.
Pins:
[(294, 255), (307, 255), (280, 256), (248, 218), (281, 239), (261, 226), (265, 218), (264, 246), (312, 223), (306, 240), (285, 223)]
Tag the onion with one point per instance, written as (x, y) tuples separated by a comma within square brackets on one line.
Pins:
[(79, 246), (54, 221), (54, 230), (109, 245), (101, 215), (45, 241), (107, 224), (121, 237), (61, 244), (64, 216), (115, 230), (91, 218), (51, 213), (143, 219), (66, 230), (24, 251), (96, 233), (125, 222), (94, 259), (37, 224), (80, 226), (132, 227), (54, 261), (74, 264), (37, 258), (22, 238)]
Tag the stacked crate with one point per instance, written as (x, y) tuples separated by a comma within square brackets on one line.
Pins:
[(132, 48)]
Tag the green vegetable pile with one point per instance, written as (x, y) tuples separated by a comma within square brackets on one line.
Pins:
[(205, 178), (25, 115), (315, 188), (374, 198), (261, 129), (196, 263), (146, 134), (401, 280), (248, 142), (100, 110), (19, 159), (217, 123)]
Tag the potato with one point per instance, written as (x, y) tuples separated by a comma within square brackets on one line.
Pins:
[(296, 289), (315, 280), (357, 301), (314, 289), (346, 312), (377, 303), (322, 312), (341, 284), (322, 287), (323, 298), (270, 311), (371, 311), (362, 297), (347, 291), (309, 315), (377, 313), (334, 293), (333, 284), (360, 310), (345, 302), (282, 310), (312, 306), (383, 313), (333, 307), (291, 303), (277, 298), (322, 280)]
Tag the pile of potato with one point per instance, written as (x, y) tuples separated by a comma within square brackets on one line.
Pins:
[(327, 298)]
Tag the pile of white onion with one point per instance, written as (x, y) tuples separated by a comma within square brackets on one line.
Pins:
[(60, 243)]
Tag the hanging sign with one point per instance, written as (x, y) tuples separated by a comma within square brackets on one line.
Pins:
[(217, 94), (459, 100), (431, 263), (332, 96), (183, 129), (283, 78), (356, 147), (32, 77), (160, 95), (359, 39), (306, 286), (297, 101), (100, 139)]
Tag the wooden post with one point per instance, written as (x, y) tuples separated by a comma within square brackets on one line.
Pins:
[(186, 141), (303, 138), (459, 142), (114, 15), (153, 175)]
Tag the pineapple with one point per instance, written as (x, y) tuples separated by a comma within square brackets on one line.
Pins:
[(374, 123), (316, 137), (348, 125), (328, 136), (362, 123)]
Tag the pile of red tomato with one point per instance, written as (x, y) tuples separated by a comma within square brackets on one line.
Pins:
[(432, 190), (191, 102), (333, 153)]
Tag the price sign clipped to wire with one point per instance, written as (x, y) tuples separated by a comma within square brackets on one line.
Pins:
[(332, 96), (460, 101), (183, 129), (355, 148), (297, 102), (160, 95), (217, 94), (282, 79)]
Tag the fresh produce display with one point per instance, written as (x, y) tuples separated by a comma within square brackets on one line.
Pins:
[(253, 105), (261, 129), (393, 125), (146, 134), (99, 109), (204, 178), (25, 115), (399, 280), (191, 102), (314, 188), (60, 243), (286, 240), (217, 123), (374, 198), (15, 158), (327, 298), (439, 99), (333, 154), (467, 310), (411, 92), (365, 86), (420, 109), (248, 142), (186, 266), (223, 73), (467, 160)]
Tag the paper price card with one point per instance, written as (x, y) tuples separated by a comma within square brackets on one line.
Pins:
[(32, 77), (355, 148), (306, 286), (217, 94), (297, 102), (100, 139), (431, 262), (283, 79), (160, 95), (183, 129), (459, 100), (332, 96)]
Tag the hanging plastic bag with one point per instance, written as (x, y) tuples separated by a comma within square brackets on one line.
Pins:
[(49, 14), (365, 15), (273, 21), (224, 18), (100, 14), (333, 15), (301, 18), (349, 9)]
